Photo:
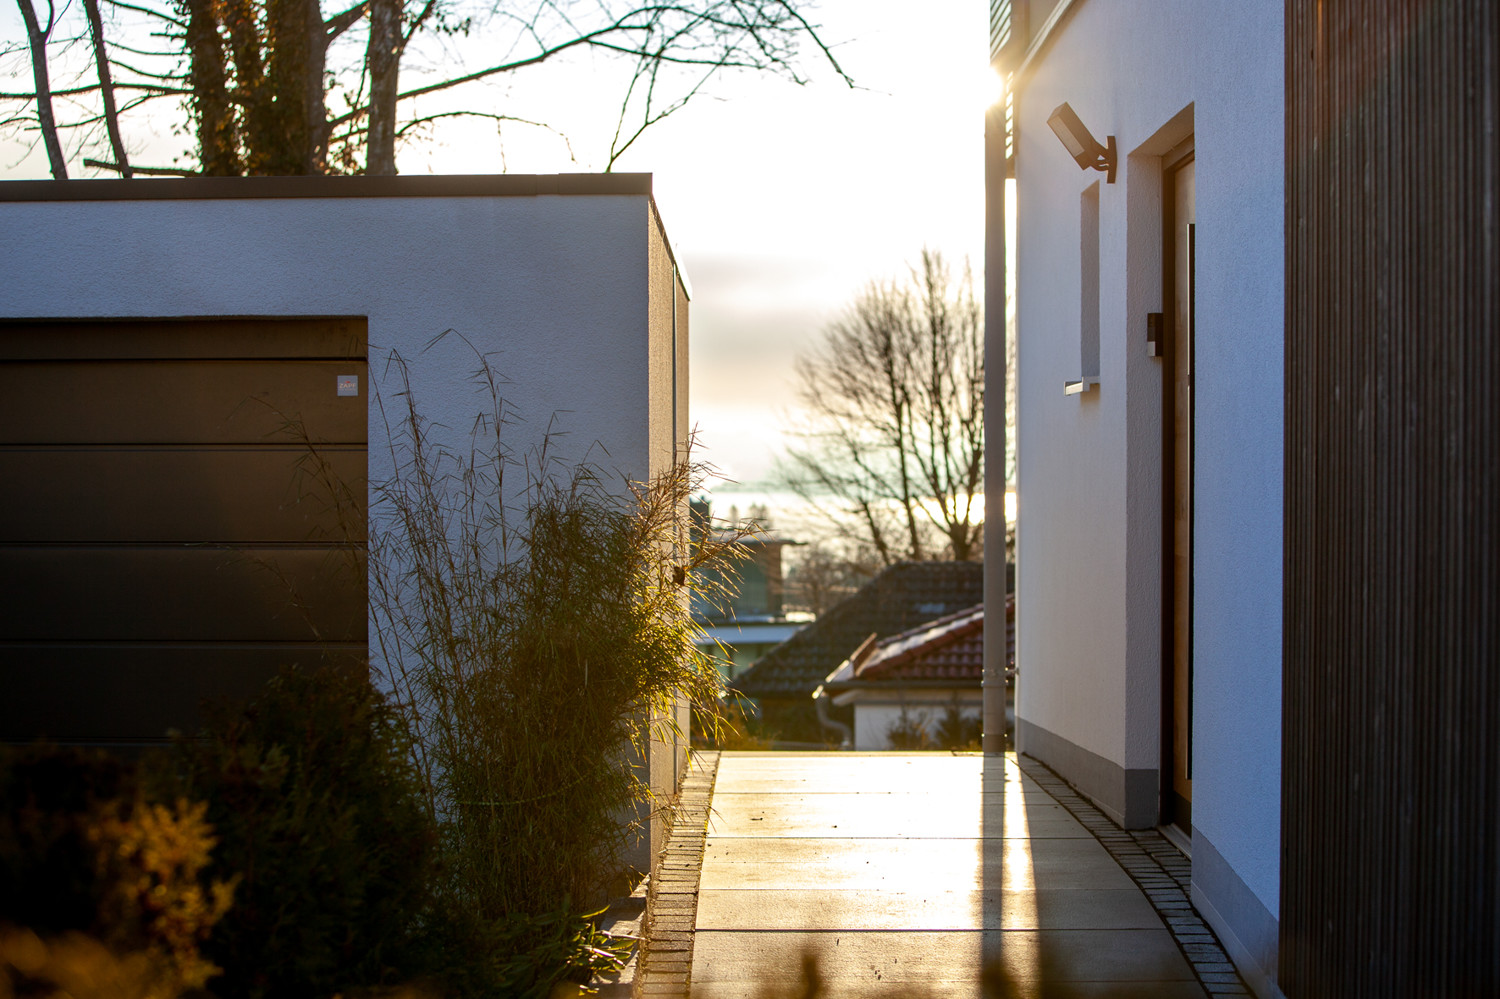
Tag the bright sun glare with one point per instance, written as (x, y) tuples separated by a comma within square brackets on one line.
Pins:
[(990, 86)]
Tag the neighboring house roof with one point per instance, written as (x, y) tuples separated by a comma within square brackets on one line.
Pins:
[(903, 596), (947, 652)]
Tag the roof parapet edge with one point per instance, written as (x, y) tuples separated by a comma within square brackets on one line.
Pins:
[(423, 186)]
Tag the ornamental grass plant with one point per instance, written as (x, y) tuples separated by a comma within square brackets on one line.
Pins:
[(531, 628)]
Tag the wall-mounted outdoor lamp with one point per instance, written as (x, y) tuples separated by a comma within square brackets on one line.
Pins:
[(1082, 145)]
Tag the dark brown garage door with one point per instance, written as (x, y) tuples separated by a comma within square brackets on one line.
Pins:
[(164, 534)]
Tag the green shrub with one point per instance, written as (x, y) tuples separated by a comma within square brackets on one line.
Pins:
[(953, 730), (909, 731), (957, 730), (731, 727), (313, 796)]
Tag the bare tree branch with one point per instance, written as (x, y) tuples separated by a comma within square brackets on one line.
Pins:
[(163, 15), (106, 87), (340, 23), (122, 64), (150, 88), (260, 75), (472, 77), (148, 171), (418, 22), (642, 20), (37, 36), (650, 67)]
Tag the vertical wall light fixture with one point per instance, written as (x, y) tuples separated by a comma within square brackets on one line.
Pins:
[(1080, 143)]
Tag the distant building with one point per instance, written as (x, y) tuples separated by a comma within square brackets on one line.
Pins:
[(921, 688), (740, 608), (903, 596)]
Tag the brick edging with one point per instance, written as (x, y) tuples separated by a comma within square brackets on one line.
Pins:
[(1162, 873), (666, 956)]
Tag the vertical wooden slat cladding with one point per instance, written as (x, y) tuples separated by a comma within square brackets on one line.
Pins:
[(1390, 876), (167, 529)]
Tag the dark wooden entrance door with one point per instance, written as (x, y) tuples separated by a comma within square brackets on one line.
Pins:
[(1178, 679), (162, 536)]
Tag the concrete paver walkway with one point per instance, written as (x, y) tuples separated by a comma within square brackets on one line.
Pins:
[(911, 874)]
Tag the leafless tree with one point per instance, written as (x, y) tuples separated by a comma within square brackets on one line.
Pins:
[(269, 87), (892, 450)]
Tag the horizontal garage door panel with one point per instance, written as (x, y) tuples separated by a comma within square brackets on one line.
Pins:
[(138, 692), (186, 494), (168, 338), (183, 594), (166, 533), (179, 402)]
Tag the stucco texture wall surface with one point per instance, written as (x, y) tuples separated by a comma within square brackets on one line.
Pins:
[(554, 288), (1090, 466)]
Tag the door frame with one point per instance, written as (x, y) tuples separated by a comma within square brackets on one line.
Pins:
[(1174, 808)]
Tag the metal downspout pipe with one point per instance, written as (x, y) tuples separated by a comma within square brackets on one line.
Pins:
[(993, 740)]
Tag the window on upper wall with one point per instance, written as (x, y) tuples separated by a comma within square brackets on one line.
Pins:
[(1088, 271)]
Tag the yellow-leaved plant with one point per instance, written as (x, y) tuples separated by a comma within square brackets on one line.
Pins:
[(152, 857), (153, 910)]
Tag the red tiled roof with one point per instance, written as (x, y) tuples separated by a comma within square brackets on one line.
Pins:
[(903, 596), (949, 649)]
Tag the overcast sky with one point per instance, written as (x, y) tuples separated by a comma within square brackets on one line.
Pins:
[(782, 201)]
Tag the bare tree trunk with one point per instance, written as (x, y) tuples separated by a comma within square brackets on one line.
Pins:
[(900, 404), (218, 152), (38, 39), (106, 87), (314, 96), (297, 44), (383, 57), (258, 125)]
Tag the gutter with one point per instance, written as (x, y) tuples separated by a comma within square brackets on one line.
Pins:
[(820, 701)]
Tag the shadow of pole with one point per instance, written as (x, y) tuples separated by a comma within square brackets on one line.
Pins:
[(1012, 948)]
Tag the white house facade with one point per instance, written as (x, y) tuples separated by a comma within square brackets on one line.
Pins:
[(1149, 316)]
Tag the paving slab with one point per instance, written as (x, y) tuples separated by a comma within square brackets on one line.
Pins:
[(959, 989), (1066, 908), (825, 863), (906, 816), (910, 874), (872, 958)]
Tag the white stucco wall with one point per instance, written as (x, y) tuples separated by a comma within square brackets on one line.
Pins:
[(555, 286), (1089, 537), (874, 717)]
